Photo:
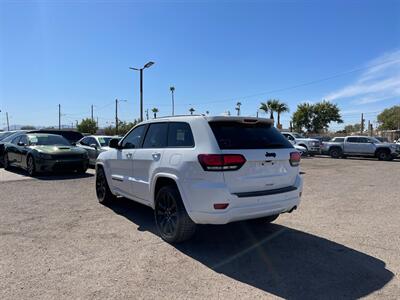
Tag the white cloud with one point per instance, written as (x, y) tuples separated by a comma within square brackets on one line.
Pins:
[(379, 82)]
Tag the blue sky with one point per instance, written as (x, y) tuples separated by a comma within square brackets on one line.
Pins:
[(215, 53)]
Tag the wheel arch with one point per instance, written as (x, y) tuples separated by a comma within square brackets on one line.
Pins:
[(386, 149), (163, 179)]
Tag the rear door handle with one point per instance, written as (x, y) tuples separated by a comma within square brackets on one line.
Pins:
[(129, 155)]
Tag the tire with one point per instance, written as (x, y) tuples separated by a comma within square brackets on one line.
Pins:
[(30, 166), (383, 155), (103, 191), (335, 152), (6, 163), (263, 220), (173, 223)]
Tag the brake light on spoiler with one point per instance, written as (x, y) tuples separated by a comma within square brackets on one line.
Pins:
[(221, 162)]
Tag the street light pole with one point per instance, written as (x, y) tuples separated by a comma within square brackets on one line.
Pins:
[(8, 123), (148, 65), (172, 89), (141, 95)]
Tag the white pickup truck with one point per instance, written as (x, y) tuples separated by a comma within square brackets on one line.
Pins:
[(362, 146), (312, 146)]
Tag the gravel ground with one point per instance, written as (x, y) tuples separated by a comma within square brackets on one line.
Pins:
[(56, 241)]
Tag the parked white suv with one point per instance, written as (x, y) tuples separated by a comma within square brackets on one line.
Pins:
[(202, 170)]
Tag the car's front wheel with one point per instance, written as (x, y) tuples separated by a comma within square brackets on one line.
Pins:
[(384, 155), (30, 166), (173, 223), (103, 191), (335, 152)]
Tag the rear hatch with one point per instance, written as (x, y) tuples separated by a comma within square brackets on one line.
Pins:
[(266, 150)]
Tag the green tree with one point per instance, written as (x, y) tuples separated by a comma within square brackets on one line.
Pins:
[(87, 126), (155, 111), (352, 128), (302, 117), (315, 117), (192, 110), (264, 107), (389, 119), (28, 127), (325, 112)]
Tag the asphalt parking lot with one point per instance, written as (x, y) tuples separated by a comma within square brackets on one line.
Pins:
[(56, 241)]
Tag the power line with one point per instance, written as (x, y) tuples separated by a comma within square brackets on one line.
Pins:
[(296, 85)]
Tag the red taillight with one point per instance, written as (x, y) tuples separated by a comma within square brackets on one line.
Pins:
[(221, 205), (221, 162), (295, 159)]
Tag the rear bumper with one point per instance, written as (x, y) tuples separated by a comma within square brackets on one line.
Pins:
[(200, 204)]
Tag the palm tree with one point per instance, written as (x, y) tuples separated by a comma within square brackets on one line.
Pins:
[(264, 106), (282, 108), (155, 111), (238, 108), (192, 110), (207, 112), (273, 105)]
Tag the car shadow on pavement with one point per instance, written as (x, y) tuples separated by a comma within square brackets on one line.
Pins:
[(50, 176), (276, 259)]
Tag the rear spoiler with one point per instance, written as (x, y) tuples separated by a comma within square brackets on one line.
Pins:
[(247, 120)]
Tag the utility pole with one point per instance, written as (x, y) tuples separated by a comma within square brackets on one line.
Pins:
[(76, 122), (97, 122), (59, 116), (147, 114), (8, 123), (362, 124), (369, 127), (116, 116), (92, 112), (172, 89)]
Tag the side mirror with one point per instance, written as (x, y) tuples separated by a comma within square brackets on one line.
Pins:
[(93, 146), (21, 144), (114, 143), (73, 144)]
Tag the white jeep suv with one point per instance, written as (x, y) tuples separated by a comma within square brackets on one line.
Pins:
[(202, 170)]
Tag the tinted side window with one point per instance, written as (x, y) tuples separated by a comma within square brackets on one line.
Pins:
[(352, 140), (235, 135), (91, 141), (363, 140), (134, 138), (156, 136), (84, 141), (180, 135)]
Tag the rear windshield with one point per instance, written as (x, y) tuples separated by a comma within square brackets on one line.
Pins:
[(235, 135)]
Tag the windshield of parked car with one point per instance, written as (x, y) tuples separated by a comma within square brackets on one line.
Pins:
[(47, 140), (298, 136), (104, 141), (235, 135)]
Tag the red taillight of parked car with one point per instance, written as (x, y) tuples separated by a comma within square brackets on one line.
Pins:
[(295, 159), (221, 162)]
